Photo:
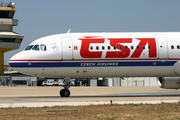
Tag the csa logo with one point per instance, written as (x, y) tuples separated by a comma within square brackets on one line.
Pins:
[(122, 51), (54, 47)]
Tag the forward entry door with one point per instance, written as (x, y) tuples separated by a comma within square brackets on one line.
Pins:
[(162, 48), (67, 53)]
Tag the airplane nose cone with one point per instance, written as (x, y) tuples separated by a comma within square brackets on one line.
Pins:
[(20, 59), (14, 60)]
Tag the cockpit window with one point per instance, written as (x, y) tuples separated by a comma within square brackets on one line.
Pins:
[(43, 47), (29, 47), (36, 47)]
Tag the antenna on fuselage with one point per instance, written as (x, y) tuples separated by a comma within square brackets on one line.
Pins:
[(69, 30)]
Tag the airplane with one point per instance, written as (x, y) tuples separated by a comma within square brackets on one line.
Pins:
[(88, 55)]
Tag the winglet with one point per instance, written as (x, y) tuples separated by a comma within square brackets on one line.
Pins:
[(69, 30)]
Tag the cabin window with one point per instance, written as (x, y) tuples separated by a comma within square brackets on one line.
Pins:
[(114, 47), (91, 47), (36, 47), (103, 47), (149, 47), (178, 47), (132, 47), (43, 47), (29, 47), (109, 47), (172, 46), (120, 47), (126, 47), (97, 47), (143, 47), (138, 47)]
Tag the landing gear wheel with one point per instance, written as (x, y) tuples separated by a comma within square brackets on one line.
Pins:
[(64, 93)]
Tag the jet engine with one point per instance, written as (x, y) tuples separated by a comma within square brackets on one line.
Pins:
[(169, 82)]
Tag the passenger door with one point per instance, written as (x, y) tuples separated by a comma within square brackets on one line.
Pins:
[(162, 48), (67, 48)]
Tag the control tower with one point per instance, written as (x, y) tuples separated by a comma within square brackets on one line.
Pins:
[(9, 40)]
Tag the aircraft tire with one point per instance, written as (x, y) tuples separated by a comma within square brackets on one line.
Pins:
[(64, 93), (61, 93)]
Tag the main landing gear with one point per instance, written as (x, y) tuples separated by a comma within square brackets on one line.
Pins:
[(65, 92)]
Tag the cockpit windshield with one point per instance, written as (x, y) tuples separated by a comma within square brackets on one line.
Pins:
[(36, 47), (29, 47), (43, 47)]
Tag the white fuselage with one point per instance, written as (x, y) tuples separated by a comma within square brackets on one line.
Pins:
[(101, 55)]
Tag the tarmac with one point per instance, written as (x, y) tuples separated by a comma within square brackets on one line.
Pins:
[(49, 96)]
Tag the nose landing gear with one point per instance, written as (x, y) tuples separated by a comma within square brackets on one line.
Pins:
[(65, 92)]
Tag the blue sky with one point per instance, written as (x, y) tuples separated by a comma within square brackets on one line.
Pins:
[(42, 18)]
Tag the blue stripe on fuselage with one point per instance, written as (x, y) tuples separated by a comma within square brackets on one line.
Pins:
[(92, 64)]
